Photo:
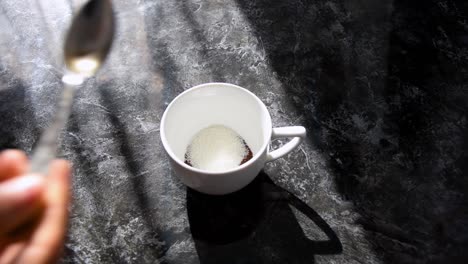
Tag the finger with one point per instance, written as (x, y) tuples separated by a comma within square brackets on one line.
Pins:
[(46, 242), (12, 163), (20, 198), (11, 252)]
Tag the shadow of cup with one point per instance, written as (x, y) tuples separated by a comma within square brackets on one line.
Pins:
[(256, 224), (223, 219)]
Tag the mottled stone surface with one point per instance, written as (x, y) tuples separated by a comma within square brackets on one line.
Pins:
[(382, 87)]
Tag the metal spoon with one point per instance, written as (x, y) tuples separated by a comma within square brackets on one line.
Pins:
[(87, 44)]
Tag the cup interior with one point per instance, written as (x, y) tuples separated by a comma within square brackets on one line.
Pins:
[(215, 104)]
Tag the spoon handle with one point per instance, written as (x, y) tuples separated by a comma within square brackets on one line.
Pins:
[(46, 150)]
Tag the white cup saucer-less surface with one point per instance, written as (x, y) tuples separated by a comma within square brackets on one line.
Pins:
[(234, 107)]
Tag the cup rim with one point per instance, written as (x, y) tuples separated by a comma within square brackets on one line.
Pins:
[(169, 151)]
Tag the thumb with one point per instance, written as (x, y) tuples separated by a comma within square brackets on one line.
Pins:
[(19, 199)]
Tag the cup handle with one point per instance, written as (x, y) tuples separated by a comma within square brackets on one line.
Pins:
[(298, 133)]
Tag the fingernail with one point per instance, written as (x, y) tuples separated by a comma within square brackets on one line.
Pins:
[(27, 186)]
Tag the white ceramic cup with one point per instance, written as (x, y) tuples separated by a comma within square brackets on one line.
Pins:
[(234, 107)]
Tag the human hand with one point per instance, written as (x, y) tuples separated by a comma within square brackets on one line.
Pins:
[(33, 210)]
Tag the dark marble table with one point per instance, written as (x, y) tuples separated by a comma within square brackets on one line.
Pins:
[(381, 86)]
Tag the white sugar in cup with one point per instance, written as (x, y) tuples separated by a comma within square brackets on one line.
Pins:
[(216, 148)]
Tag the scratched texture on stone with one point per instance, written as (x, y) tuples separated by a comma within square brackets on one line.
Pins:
[(381, 86)]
